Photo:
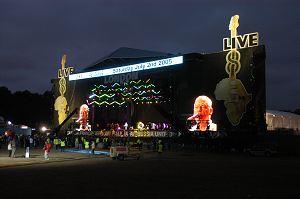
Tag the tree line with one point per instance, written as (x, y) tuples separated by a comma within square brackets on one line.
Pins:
[(24, 107)]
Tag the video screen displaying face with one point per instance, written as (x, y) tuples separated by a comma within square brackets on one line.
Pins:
[(234, 96), (201, 118)]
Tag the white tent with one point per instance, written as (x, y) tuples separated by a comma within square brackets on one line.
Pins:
[(281, 119)]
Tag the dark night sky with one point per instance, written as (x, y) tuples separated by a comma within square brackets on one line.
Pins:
[(34, 34)]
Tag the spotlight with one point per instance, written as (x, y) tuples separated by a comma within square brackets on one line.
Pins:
[(43, 128)]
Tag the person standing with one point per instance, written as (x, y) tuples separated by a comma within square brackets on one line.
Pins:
[(76, 143), (31, 142), (62, 145), (27, 147), (80, 143), (13, 147), (97, 141), (93, 146), (47, 148), (56, 143), (9, 148), (86, 144), (160, 147), (139, 144)]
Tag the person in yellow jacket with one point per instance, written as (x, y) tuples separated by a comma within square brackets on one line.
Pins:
[(160, 147), (105, 143), (97, 141), (56, 143), (86, 144), (62, 145), (139, 144)]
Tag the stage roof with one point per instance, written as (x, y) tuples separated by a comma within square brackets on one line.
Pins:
[(124, 55)]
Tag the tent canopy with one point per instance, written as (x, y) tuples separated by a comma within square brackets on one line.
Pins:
[(280, 119)]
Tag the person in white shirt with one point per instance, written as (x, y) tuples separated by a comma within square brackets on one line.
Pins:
[(201, 119)]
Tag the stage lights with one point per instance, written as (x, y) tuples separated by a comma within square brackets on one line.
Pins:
[(140, 91)]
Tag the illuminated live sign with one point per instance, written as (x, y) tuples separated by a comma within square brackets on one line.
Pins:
[(127, 69), (240, 41), (65, 72)]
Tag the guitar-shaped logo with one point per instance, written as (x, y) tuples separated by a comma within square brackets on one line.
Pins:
[(61, 104), (231, 89)]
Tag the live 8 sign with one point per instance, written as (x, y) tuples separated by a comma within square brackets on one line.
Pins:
[(231, 89), (240, 41)]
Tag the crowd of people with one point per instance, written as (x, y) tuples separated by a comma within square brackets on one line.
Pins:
[(13, 141), (79, 142)]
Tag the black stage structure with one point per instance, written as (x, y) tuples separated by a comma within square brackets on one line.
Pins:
[(162, 88)]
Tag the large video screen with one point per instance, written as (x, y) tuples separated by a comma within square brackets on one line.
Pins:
[(232, 96)]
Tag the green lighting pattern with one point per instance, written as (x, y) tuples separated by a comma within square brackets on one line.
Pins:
[(138, 92)]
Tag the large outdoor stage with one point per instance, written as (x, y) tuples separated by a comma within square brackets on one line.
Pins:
[(135, 87)]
